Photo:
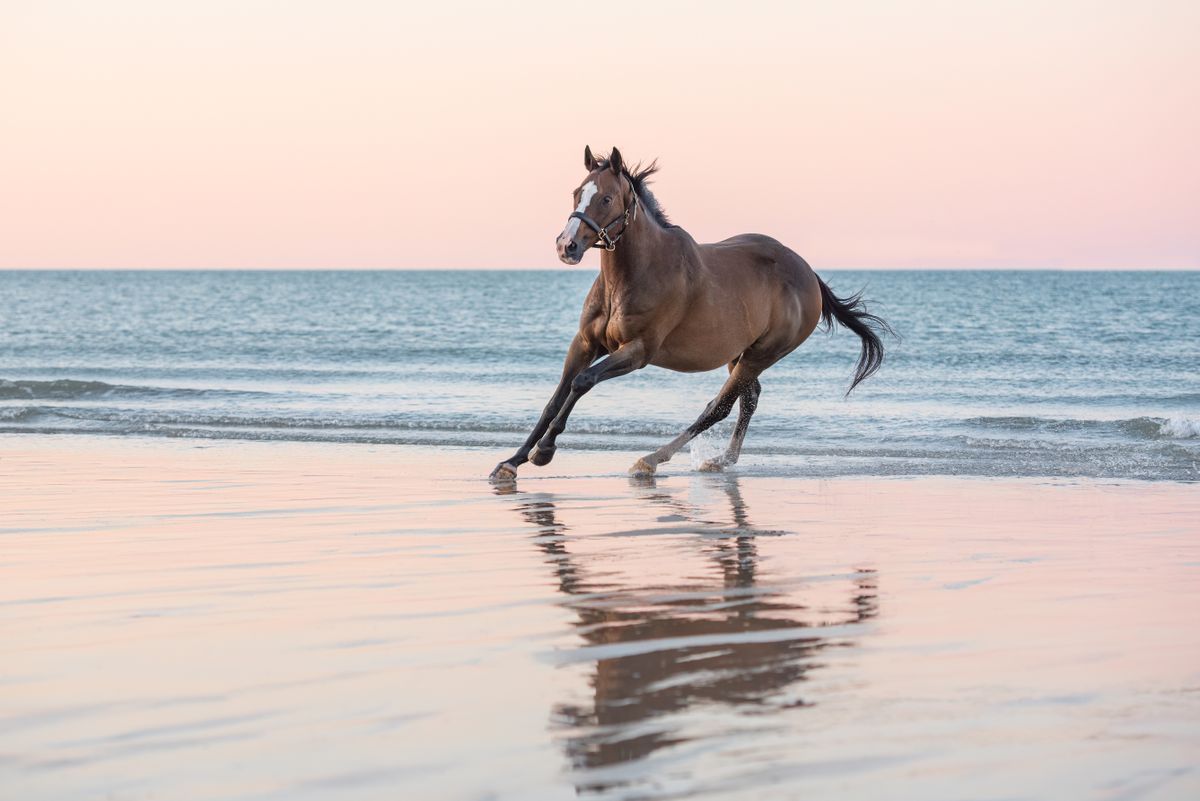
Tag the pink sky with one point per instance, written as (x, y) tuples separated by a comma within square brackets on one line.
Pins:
[(366, 134)]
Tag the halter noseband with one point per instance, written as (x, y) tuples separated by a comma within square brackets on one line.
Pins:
[(607, 240)]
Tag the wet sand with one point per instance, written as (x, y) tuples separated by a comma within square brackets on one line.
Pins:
[(292, 621)]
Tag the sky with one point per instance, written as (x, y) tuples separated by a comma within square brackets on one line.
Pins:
[(354, 134)]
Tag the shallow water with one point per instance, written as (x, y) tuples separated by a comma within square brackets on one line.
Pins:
[(306, 621), (998, 373)]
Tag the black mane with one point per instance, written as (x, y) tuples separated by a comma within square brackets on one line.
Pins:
[(639, 176)]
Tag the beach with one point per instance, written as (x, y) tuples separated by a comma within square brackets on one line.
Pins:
[(266, 620)]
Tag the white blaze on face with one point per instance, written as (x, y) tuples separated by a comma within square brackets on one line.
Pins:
[(585, 198)]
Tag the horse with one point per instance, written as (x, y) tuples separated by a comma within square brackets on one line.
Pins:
[(663, 299)]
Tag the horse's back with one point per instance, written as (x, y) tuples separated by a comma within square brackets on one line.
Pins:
[(761, 270), (757, 251)]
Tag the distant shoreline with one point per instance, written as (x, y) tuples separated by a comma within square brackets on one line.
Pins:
[(580, 268)]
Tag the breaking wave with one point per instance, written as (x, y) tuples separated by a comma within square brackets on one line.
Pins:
[(65, 389), (1181, 428), (1136, 427), (71, 389)]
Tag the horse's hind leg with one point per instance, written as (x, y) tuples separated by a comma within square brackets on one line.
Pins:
[(717, 410), (747, 403)]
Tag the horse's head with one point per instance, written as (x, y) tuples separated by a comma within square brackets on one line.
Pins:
[(605, 205)]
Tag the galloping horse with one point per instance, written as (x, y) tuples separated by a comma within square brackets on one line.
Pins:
[(662, 299)]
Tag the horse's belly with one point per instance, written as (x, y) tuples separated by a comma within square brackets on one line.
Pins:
[(710, 336), (694, 357)]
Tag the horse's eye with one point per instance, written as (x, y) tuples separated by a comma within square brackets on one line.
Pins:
[(607, 199)]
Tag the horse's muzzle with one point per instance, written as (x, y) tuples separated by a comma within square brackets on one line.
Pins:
[(569, 251)]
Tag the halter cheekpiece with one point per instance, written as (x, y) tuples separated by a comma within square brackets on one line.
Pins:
[(607, 240)]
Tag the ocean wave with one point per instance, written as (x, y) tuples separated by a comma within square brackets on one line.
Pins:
[(1029, 432), (72, 389), (1134, 427), (17, 414), (1181, 428), (136, 419), (61, 389)]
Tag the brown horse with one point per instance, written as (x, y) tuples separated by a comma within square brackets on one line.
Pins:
[(662, 299)]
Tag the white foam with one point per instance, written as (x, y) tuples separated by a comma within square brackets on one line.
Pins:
[(1181, 428)]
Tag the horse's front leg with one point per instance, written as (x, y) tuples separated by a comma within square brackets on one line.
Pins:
[(625, 359), (579, 356)]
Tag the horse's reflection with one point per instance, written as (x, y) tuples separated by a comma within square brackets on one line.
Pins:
[(717, 639)]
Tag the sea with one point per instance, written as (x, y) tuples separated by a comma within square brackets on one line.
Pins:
[(992, 373)]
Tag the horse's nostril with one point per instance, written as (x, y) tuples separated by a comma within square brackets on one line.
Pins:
[(572, 247)]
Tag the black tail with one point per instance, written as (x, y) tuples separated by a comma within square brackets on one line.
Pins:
[(852, 313)]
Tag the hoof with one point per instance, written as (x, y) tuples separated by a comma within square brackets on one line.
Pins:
[(503, 473), (641, 469), (713, 466), (542, 456)]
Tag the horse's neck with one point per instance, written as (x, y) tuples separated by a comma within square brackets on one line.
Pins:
[(640, 252)]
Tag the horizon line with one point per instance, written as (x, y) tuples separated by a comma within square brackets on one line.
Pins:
[(576, 268)]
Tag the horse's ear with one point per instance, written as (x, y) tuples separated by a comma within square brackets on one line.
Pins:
[(589, 160), (615, 162)]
